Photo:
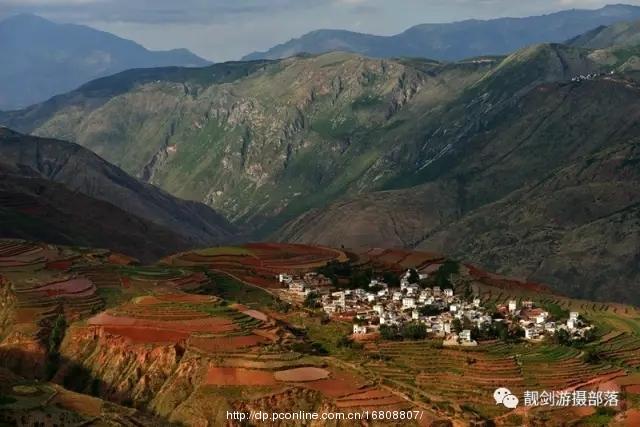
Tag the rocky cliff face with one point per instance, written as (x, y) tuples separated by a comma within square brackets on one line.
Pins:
[(164, 379)]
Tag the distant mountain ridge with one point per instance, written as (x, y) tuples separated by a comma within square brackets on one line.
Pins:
[(457, 40), (46, 58)]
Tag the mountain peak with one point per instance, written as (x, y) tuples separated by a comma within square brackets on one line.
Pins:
[(27, 19)]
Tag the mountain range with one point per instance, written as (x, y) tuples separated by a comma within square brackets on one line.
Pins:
[(62, 193), (525, 164), (45, 58), (458, 40)]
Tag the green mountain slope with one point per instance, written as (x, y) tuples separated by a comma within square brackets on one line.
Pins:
[(262, 142), (549, 194)]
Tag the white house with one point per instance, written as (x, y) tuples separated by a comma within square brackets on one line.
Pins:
[(412, 289), (446, 327), (513, 305), (378, 308), (465, 335), (297, 286), (574, 315), (408, 302), (359, 329), (329, 308), (397, 296), (530, 333), (415, 315), (448, 292), (453, 308), (476, 302)]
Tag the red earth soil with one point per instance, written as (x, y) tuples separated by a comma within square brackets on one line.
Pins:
[(505, 283), (224, 344), (238, 377), (146, 335), (208, 324), (151, 300), (302, 374), (633, 418), (333, 387), (62, 265), (633, 389)]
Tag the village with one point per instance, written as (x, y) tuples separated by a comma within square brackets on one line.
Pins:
[(460, 320)]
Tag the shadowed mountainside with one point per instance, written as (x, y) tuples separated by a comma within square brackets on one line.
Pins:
[(80, 172)]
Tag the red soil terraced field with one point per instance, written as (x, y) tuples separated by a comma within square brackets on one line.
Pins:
[(501, 282), (238, 377), (203, 324), (398, 259), (77, 295), (171, 318), (259, 263), (226, 344), (302, 374)]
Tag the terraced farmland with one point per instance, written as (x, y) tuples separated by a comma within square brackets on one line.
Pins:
[(258, 263), (469, 377)]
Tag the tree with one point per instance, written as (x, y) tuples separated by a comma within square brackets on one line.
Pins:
[(390, 332), (444, 273), (456, 325), (311, 300), (562, 337), (414, 331), (414, 277), (390, 278), (57, 333), (430, 310)]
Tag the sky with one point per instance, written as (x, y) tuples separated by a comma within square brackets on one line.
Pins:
[(221, 30)]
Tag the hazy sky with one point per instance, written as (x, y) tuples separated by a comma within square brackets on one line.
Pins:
[(226, 29)]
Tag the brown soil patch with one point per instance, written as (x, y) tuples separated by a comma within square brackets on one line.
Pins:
[(223, 344), (207, 324), (144, 335), (238, 377), (633, 418), (633, 389), (333, 387), (78, 403), (302, 374)]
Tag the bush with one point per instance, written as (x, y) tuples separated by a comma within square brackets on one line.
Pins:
[(414, 331), (430, 310), (390, 332)]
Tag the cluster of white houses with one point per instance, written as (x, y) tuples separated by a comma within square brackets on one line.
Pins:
[(382, 304)]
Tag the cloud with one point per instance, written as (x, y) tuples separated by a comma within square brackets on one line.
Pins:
[(155, 11)]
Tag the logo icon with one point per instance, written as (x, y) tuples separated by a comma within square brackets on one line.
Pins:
[(503, 396)]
